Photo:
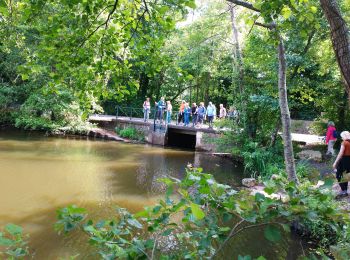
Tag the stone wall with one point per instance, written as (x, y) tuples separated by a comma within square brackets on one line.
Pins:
[(205, 142)]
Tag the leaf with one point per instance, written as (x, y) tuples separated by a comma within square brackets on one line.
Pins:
[(224, 229), (259, 197), (272, 233), (135, 223), (197, 211), (13, 229), (328, 183), (25, 76), (6, 242), (286, 12), (191, 4), (167, 232), (313, 9), (90, 229)]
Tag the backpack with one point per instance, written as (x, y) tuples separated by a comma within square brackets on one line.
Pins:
[(335, 134)]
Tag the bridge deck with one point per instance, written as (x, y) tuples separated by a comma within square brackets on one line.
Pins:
[(140, 121), (306, 138)]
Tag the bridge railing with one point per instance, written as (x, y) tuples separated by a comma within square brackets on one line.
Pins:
[(132, 112)]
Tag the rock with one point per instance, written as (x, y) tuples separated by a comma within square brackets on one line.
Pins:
[(310, 155), (249, 182), (275, 177)]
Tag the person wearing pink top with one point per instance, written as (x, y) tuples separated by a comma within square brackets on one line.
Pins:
[(331, 138)]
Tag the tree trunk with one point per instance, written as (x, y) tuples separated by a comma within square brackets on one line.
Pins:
[(285, 115), (237, 51), (239, 60), (340, 35)]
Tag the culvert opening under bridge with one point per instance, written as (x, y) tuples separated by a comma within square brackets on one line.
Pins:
[(181, 138)]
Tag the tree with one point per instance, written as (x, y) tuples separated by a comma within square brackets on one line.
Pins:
[(340, 36)]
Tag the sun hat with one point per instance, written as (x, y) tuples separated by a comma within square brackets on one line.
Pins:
[(345, 135)]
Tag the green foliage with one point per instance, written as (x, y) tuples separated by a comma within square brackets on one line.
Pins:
[(130, 133), (318, 127), (62, 58), (14, 242), (206, 215)]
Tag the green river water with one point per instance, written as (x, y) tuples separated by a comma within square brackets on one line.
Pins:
[(39, 174)]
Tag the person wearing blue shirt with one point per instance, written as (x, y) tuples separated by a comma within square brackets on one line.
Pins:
[(187, 112), (210, 113), (160, 106), (201, 112)]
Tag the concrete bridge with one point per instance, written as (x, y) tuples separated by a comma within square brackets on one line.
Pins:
[(172, 134)]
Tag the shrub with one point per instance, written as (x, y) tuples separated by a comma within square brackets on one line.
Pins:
[(202, 216), (130, 133), (318, 127)]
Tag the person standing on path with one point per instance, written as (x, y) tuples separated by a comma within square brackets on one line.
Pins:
[(146, 110), (181, 112), (210, 114), (201, 113), (187, 112), (222, 113), (342, 163), (331, 138), (160, 109), (169, 109), (194, 113)]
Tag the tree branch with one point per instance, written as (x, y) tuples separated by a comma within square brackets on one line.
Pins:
[(245, 4), (105, 23), (306, 49), (269, 26)]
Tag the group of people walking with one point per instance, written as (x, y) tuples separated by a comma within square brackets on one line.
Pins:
[(341, 164), (198, 113)]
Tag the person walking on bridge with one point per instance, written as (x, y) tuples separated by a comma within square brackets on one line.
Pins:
[(187, 113), (146, 109), (160, 107), (194, 113), (222, 113), (210, 113), (201, 112), (169, 109), (181, 112)]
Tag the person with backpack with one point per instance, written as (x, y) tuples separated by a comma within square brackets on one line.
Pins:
[(160, 107), (331, 138), (342, 163), (146, 109)]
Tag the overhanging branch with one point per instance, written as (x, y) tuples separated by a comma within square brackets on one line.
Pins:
[(245, 4)]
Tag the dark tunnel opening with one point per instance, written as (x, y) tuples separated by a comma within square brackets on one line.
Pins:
[(181, 139)]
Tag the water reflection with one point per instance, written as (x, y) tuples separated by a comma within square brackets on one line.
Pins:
[(39, 174)]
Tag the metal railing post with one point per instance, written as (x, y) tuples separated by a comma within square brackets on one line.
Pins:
[(117, 112), (154, 120)]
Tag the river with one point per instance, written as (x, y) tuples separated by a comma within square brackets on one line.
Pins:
[(40, 174)]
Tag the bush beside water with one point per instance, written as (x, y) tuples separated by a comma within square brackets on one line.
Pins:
[(130, 133)]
